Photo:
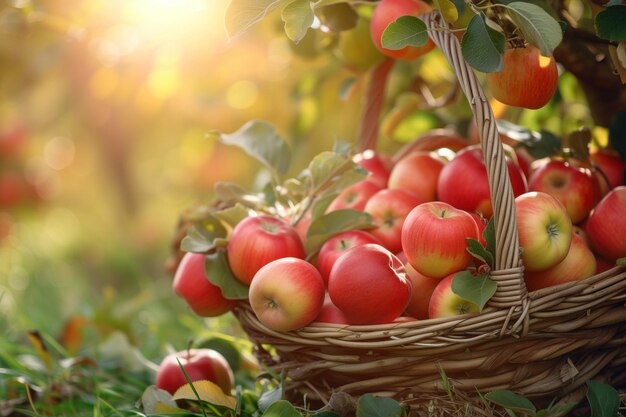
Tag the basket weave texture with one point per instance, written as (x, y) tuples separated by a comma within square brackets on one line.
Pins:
[(543, 345)]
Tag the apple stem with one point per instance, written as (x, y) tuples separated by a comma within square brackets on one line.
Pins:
[(189, 345)]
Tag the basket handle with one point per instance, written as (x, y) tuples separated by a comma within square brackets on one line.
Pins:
[(508, 272)]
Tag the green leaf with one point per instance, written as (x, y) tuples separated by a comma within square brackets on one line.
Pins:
[(610, 23), (218, 272), (281, 408), (269, 397), (621, 261), (321, 205), (477, 250), (338, 17), (329, 171), (201, 236), (511, 401), (232, 215), (475, 289), (489, 234), (603, 399), (538, 144), (298, 17), (260, 140), (482, 47), (538, 27), (325, 414), (369, 405), (328, 225), (243, 14), (405, 31)]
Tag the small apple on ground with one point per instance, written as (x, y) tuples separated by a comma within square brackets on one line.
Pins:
[(199, 364), (334, 247), (575, 187), (545, 230), (287, 294), (418, 173), (528, 78), (258, 240), (606, 225), (389, 208), (579, 263), (434, 238), (445, 303), (190, 282), (369, 285)]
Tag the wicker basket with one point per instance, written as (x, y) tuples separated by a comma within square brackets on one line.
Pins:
[(542, 345)]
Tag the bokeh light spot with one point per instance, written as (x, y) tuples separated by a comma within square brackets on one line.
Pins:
[(242, 94), (59, 153)]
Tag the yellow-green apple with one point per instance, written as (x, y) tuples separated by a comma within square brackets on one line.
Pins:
[(544, 228), (418, 172), (389, 208), (446, 303), (434, 238), (258, 240), (191, 283), (369, 285), (463, 181), (354, 196), (355, 48), (528, 79), (330, 313), (606, 225), (334, 247), (287, 294), (389, 10), (575, 187), (579, 263), (612, 167), (376, 164), (199, 364), (422, 289)]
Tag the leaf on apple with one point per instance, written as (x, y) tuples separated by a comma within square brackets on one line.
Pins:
[(330, 172), (369, 405), (609, 23), (405, 31), (260, 140), (232, 215), (621, 261), (218, 272), (511, 401), (603, 398), (201, 236), (483, 47), (478, 251), (328, 225), (489, 234), (206, 391), (538, 27), (298, 17), (476, 289), (241, 15)]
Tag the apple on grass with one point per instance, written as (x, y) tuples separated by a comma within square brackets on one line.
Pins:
[(354, 196), (287, 294), (199, 364), (334, 247), (575, 187), (389, 209), (369, 285), (446, 303), (606, 225), (434, 238), (190, 283), (579, 263), (418, 173), (258, 240), (544, 228)]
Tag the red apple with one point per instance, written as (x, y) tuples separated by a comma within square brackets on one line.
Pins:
[(422, 289), (287, 294), (418, 173), (369, 285), (389, 10), (199, 364), (602, 265), (575, 187), (528, 78), (434, 238), (330, 313), (389, 208), (481, 222), (334, 247), (376, 164), (191, 283), (463, 182), (354, 196), (606, 225), (611, 165), (579, 263), (258, 240), (446, 303), (545, 230)]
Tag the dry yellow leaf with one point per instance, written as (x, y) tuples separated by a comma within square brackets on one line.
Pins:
[(207, 391)]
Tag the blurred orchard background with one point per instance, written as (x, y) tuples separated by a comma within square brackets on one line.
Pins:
[(105, 110)]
